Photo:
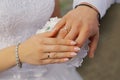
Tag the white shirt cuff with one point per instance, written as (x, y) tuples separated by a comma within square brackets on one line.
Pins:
[(101, 5)]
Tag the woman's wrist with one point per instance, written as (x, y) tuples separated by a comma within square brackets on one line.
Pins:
[(21, 52), (18, 61)]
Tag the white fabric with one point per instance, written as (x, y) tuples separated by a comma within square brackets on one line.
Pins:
[(20, 19), (101, 5), (76, 61), (19, 15)]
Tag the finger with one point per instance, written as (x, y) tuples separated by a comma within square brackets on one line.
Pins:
[(47, 34), (73, 33), (82, 38), (93, 45), (52, 61), (55, 41), (59, 48), (58, 26), (63, 31), (58, 55)]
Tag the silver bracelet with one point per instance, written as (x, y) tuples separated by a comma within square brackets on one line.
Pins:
[(18, 62)]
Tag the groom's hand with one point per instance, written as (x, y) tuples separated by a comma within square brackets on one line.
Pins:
[(80, 24)]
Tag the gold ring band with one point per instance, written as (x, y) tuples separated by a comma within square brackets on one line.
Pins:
[(48, 55), (66, 29)]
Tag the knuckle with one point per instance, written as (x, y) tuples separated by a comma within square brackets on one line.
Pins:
[(56, 48), (54, 55), (62, 31), (42, 41), (42, 57), (78, 22), (56, 41), (51, 61), (41, 48)]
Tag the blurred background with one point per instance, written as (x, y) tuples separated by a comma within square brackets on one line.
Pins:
[(106, 64)]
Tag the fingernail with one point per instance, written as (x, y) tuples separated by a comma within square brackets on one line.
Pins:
[(73, 54), (77, 49), (66, 59), (73, 42)]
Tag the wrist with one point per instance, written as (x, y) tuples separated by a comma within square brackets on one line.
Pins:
[(18, 61), (21, 52), (90, 8)]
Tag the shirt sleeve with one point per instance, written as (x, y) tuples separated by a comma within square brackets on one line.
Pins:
[(118, 1), (101, 5)]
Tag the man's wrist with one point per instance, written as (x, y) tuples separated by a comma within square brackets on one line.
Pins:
[(91, 7)]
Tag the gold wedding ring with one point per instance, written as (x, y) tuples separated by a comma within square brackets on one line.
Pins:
[(66, 29), (48, 55)]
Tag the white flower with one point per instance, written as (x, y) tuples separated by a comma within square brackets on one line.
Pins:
[(49, 25)]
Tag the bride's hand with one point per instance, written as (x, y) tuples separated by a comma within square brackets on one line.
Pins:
[(41, 49)]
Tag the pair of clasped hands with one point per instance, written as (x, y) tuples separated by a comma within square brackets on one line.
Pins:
[(65, 40)]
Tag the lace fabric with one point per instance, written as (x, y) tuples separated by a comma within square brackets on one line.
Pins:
[(19, 15), (20, 19)]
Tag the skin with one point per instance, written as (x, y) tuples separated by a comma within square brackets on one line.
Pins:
[(82, 24), (43, 44), (35, 51)]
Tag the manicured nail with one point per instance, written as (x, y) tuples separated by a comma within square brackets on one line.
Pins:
[(73, 42), (66, 59), (73, 54), (77, 49)]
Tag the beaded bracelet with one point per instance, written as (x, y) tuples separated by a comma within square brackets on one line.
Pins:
[(18, 62), (92, 8)]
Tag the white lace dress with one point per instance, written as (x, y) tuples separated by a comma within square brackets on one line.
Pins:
[(20, 19)]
